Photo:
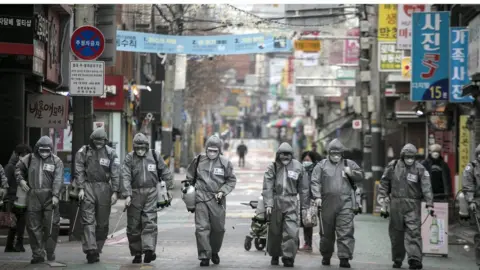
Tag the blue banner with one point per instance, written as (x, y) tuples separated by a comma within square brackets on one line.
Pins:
[(430, 56), (201, 45), (459, 64)]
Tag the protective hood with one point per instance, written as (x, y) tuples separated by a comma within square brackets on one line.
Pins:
[(98, 134), (408, 149), (140, 138), (214, 141), (284, 148), (44, 141), (477, 150), (336, 145)]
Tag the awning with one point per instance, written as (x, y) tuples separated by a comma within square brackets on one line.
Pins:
[(284, 122), (296, 121), (348, 136)]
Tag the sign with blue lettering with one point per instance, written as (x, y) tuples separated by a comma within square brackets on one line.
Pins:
[(201, 45), (459, 64), (430, 56), (87, 43)]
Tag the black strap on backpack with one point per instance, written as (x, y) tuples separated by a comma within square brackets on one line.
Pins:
[(195, 175), (350, 180), (159, 173)]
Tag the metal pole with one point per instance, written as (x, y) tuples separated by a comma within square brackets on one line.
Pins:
[(376, 116), (83, 113), (365, 75)]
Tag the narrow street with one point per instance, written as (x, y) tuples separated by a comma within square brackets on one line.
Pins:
[(176, 247)]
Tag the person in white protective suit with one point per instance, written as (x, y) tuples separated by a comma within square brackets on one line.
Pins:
[(142, 170), (215, 179), (282, 183), (97, 170), (333, 182), (40, 174)]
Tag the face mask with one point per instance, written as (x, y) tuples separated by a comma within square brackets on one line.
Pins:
[(286, 161), (44, 152), (335, 158), (307, 164), (409, 161), (140, 152), (99, 143), (212, 152), (435, 155)]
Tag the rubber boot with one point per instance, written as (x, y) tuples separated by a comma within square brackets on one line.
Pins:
[(137, 259), (215, 258), (415, 264), (325, 261), (287, 262), (92, 256), (274, 260), (205, 262), (344, 263), (19, 245), (37, 260), (10, 238), (149, 256), (51, 257)]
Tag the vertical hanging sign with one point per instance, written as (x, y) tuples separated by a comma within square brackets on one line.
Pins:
[(459, 64), (430, 56)]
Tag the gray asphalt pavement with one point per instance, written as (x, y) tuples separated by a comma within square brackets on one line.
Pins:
[(176, 241)]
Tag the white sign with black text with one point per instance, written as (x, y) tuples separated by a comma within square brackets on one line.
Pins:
[(47, 111), (87, 78)]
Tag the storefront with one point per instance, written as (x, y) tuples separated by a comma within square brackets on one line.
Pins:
[(109, 111)]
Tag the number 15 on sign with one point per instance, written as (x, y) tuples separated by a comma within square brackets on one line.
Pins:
[(435, 92)]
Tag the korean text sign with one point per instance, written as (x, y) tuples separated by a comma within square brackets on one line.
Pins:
[(404, 24), (201, 45), (47, 111), (389, 58), (387, 22), (430, 56), (459, 64)]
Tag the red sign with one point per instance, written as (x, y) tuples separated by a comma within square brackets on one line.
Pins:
[(410, 9), (87, 43), (351, 48), (113, 99)]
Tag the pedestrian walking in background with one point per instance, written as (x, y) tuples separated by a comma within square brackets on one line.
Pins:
[(439, 174), (242, 151), (309, 161), (21, 150)]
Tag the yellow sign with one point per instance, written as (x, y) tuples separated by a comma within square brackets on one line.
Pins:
[(387, 22), (229, 111), (244, 101), (237, 91), (407, 67), (463, 147), (307, 45)]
